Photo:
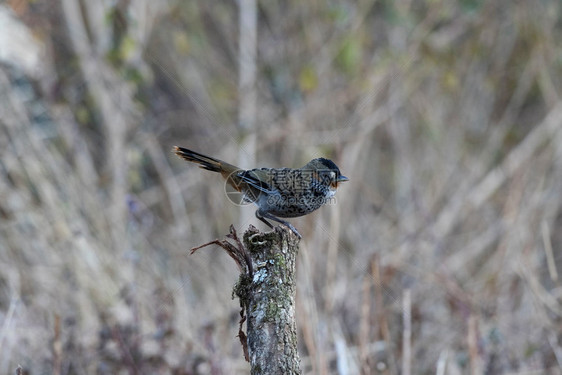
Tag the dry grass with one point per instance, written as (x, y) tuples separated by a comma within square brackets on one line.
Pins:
[(442, 255)]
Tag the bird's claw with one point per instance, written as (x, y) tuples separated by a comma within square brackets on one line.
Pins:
[(293, 229)]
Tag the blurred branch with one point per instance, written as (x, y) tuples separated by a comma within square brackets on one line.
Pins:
[(548, 250), (114, 99), (169, 184), (442, 362), (380, 311), (407, 332), (247, 87), (459, 208), (472, 342)]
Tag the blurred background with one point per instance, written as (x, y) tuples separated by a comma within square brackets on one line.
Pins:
[(440, 256)]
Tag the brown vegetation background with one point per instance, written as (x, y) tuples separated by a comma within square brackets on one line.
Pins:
[(442, 254)]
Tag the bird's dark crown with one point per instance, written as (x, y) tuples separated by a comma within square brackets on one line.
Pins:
[(322, 164), (329, 164)]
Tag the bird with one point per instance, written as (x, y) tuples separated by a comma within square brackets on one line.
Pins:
[(278, 192)]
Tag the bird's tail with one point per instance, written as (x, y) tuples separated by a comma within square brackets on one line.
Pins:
[(206, 162)]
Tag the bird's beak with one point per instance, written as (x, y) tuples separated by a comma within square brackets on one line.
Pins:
[(342, 179)]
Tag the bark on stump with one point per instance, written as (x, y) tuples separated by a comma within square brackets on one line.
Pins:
[(269, 301), (266, 290)]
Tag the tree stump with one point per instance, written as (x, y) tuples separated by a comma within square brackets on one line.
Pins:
[(266, 289)]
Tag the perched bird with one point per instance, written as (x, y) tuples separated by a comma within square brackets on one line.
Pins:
[(278, 192)]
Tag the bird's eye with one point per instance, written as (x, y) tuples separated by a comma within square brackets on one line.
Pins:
[(332, 175)]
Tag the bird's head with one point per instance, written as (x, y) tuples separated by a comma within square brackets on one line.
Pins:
[(327, 171)]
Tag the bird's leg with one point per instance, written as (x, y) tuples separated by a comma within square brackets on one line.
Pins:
[(259, 216), (263, 215)]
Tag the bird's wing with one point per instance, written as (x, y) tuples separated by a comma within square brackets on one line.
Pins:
[(256, 179)]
